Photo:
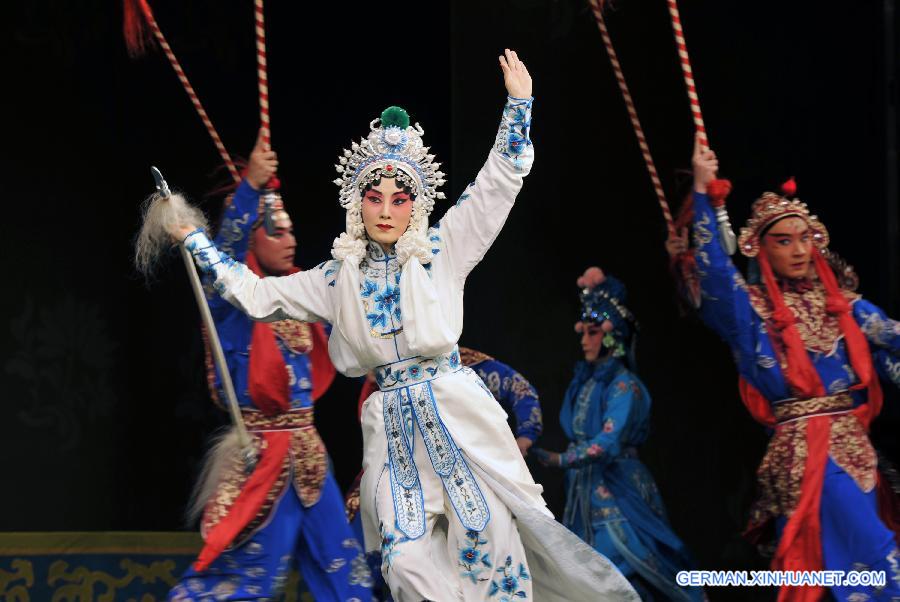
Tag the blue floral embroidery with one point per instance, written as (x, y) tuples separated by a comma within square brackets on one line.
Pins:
[(389, 543), (330, 268), (472, 559), (385, 300), (464, 196), (369, 288), (377, 320), (380, 292), (513, 135), (508, 583)]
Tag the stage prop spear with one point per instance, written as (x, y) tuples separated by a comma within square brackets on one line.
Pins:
[(163, 212)]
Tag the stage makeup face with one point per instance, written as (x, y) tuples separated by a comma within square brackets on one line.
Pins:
[(592, 339), (788, 246), (386, 210), (275, 253)]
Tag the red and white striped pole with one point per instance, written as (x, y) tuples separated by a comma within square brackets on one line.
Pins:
[(685, 61), (170, 55), (723, 187), (262, 75), (597, 7)]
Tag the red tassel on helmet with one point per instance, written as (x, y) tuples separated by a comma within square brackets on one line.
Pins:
[(135, 26), (718, 190), (789, 188)]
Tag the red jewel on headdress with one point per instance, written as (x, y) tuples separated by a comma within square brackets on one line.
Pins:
[(390, 167)]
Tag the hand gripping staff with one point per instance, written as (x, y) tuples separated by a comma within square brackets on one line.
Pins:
[(163, 210), (718, 192)]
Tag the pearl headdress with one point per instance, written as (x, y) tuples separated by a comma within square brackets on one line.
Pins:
[(393, 149)]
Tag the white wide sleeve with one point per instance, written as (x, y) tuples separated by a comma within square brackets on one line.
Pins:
[(470, 227), (302, 296)]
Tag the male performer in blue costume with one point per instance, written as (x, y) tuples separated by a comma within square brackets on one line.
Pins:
[(289, 510)]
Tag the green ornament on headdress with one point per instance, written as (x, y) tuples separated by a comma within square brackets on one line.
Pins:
[(395, 116)]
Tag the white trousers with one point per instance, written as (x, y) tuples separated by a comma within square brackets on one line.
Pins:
[(448, 562)]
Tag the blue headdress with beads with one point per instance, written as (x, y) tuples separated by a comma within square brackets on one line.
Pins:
[(603, 298)]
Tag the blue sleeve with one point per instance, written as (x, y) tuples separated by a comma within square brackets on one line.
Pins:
[(881, 331), (233, 237), (883, 335), (726, 303), (621, 397), (516, 395)]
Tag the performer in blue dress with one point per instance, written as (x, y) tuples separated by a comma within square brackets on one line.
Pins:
[(809, 354), (612, 501), (289, 510)]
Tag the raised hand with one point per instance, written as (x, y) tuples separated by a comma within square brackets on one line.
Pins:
[(262, 166), (706, 166), (515, 75)]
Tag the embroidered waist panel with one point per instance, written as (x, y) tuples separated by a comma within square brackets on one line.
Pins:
[(305, 466), (416, 370), (404, 409), (230, 484), (794, 409), (780, 475)]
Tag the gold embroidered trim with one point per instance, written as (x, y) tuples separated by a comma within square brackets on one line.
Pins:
[(804, 408), (850, 448), (470, 357), (351, 504), (296, 336), (310, 467), (230, 485), (819, 330), (257, 421), (780, 475), (305, 465), (307, 451)]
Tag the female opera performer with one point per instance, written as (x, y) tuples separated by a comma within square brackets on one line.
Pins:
[(612, 501), (446, 493)]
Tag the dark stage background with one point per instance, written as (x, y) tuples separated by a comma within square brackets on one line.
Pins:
[(105, 413)]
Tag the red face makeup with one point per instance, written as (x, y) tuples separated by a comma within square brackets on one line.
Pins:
[(386, 211)]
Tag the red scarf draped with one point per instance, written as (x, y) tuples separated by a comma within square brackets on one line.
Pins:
[(268, 381), (249, 501), (800, 547)]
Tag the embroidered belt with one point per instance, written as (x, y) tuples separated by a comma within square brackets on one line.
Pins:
[(288, 421), (795, 409), (406, 408), (416, 370)]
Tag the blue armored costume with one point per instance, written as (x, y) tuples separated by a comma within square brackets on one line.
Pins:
[(809, 355), (289, 510), (612, 500), (511, 390)]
